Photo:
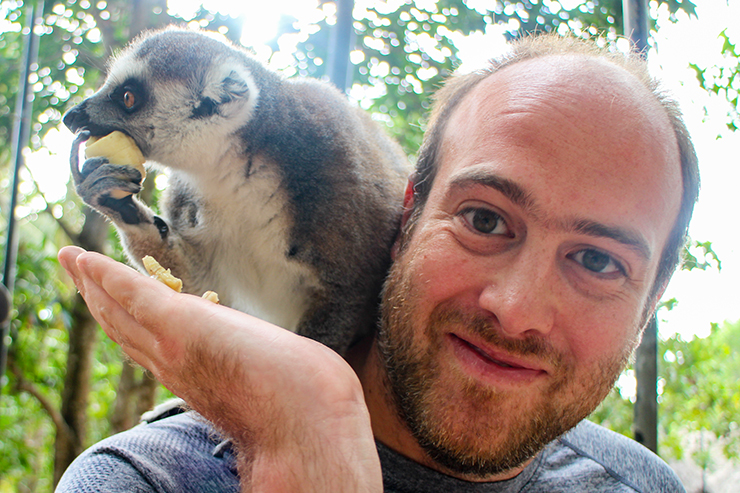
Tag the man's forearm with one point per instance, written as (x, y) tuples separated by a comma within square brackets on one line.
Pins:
[(294, 409), (346, 463)]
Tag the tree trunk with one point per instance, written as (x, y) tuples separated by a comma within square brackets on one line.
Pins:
[(134, 397), (147, 393), (70, 439), (646, 371)]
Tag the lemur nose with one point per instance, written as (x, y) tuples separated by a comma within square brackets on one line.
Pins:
[(76, 118)]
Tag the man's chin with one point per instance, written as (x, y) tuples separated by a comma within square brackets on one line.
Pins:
[(474, 467), (482, 441)]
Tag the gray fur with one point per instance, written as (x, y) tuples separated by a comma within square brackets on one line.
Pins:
[(282, 197)]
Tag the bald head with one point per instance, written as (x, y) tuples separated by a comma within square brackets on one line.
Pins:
[(601, 100)]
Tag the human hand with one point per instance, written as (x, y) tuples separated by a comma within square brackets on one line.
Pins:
[(292, 403)]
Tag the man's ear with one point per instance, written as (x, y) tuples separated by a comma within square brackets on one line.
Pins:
[(408, 202), (408, 209)]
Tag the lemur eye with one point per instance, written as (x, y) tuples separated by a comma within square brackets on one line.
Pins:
[(129, 99)]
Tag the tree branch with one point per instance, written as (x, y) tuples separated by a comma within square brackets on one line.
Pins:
[(73, 237), (24, 385)]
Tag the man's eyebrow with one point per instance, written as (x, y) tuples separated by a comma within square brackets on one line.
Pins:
[(519, 196), (508, 188), (627, 237)]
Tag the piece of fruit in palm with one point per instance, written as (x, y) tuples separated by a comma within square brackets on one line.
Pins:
[(161, 274)]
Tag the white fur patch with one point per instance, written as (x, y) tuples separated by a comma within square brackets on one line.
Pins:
[(181, 142), (245, 223)]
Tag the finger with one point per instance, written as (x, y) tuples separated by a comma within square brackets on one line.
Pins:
[(68, 254), (144, 298), (164, 312), (117, 323), (108, 312), (179, 323), (68, 260), (142, 313)]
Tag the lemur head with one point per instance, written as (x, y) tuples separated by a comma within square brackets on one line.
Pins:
[(177, 93)]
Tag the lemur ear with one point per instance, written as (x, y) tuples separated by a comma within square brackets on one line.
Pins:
[(235, 86), (224, 84), (227, 83)]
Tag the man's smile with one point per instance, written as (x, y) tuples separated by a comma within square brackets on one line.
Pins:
[(492, 365)]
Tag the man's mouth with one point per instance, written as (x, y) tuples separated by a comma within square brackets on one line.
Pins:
[(487, 356), (494, 364)]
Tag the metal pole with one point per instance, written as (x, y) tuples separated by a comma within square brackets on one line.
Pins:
[(339, 46), (21, 135), (635, 13), (645, 425)]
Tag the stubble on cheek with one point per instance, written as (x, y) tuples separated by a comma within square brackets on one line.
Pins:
[(465, 426)]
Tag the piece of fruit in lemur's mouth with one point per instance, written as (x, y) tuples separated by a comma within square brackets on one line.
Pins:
[(156, 271), (120, 149)]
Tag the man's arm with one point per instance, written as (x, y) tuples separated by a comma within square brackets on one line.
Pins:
[(292, 406)]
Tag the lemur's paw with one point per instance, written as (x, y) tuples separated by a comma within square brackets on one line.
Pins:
[(100, 179), (124, 209), (109, 188), (105, 186), (114, 155)]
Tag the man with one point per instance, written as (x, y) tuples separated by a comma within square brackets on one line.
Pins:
[(551, 200)]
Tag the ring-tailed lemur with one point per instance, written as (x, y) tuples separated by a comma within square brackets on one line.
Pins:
[(282, 197)]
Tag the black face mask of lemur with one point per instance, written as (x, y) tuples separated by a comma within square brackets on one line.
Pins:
[(281, 196)]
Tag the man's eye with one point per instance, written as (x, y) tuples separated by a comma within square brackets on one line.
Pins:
[(485, 221), (597, 261)]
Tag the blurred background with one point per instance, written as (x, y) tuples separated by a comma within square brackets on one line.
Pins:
[(66, 386)]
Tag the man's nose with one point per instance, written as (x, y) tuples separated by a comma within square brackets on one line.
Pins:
[(525, 295)]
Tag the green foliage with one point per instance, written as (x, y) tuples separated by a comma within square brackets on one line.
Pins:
[(404, 50), (699, 397), (39, 330), (724, 80), (70, 61), (700, 255), (701, 389), (615, 413)]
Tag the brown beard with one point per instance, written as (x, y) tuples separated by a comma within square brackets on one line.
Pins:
[(461, 426)]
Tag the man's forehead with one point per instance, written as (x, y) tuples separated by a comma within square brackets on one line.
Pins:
[(579, 96), (566, 81)]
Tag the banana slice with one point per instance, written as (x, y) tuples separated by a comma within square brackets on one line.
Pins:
[(156, 271), (119, 148), (210, 296), (165, 276)]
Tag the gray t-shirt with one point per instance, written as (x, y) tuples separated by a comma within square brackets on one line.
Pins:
[(588, 458), (180, 452)]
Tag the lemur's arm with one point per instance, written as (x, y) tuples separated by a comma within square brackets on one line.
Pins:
[(110, 189)]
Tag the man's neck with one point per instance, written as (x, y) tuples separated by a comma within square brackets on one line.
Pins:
[(387, 425)]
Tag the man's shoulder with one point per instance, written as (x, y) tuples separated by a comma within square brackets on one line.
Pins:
[(170, 451), (593, 457)]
